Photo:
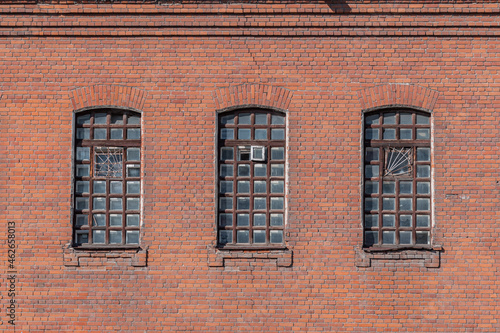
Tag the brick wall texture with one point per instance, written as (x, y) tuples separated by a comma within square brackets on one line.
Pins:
[(179, 63)]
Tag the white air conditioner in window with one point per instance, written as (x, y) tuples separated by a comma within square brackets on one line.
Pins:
[(258, 153)]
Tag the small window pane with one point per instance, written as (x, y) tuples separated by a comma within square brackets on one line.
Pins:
[(83, 133), (226, 170), (259, 220), (276, 220), (117, 119), (389, 118), (277, 134), (371, 187), (406, 134), (259, 236), (83, 120), (277, 203), (277, 120), (277, 170), (243, 186), (260, 134), (405, 203), (99, 220), (133, 170), (422, 237), (115, 237), (115, 220), (371, 238), (423, 134), (243, 203), (423, 204), (277, 186), (261, 119), (244, 170), (372, 119), (227, 134), (83, 153), (423, 188), (423, 154), (242, 236), (134, 120), (99, 203), (225, 236), (405, 237), (371, 154), (133, 204), (82, 187), (405, 221), (371, 134), (259, 186), (116, 203), (405, 187), (99, 236), (133, 220), (135, 187), (389, 203), (423, 221), (100, 118), (423, 171), (259, 203), (81, 220), (405, 119), (225, 203), (389, 134), (422, 120), (371, 204), (244, 154), (116, 134), (388, 220), (244, 134), (82, 203), (132, 237), (133, 154), (260, 170), (371, 171), (226, 120), (82, 170), (133, 133), (100, 133), (371, 221), (244, 119), (225, 220), (276, 236), (278, 153), (388, 237), (226, 154), (116, 187), (242, 220), (99, 186), (226, 186), (389, 188), (82, 237)]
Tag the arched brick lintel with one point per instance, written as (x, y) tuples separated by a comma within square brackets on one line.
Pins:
[(108, 95), (253, 94), (409, 95)]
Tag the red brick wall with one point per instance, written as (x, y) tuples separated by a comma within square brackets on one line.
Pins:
[(181, 62)]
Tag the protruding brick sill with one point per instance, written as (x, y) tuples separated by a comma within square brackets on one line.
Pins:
[(76, 257), (217, 257), (431, 255)]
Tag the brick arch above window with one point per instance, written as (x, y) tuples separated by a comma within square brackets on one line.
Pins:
[(108, 96), (252, 95), (391, 95)]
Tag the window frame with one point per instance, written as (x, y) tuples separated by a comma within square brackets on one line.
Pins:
[(106, 145), (383, 145), (251, 143)]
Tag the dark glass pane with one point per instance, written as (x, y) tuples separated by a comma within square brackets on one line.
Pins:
[(244, 119)]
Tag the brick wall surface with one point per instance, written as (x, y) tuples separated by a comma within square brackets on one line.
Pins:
[(179, 62)]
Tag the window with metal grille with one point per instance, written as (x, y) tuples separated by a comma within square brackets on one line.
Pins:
[(107, 185), (251, 178), (397, 179)]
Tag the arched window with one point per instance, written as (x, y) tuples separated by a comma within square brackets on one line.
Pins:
[(397, 179), (107, 182), (251, 178)]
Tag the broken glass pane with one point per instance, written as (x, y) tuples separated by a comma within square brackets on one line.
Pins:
[(398, 161)]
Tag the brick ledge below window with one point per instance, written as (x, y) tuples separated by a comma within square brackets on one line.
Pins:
[(430, 255), (217, 257), (136, 257)]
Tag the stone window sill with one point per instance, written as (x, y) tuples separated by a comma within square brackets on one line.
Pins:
[(431, 255), (217, 256), (93, 256)]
